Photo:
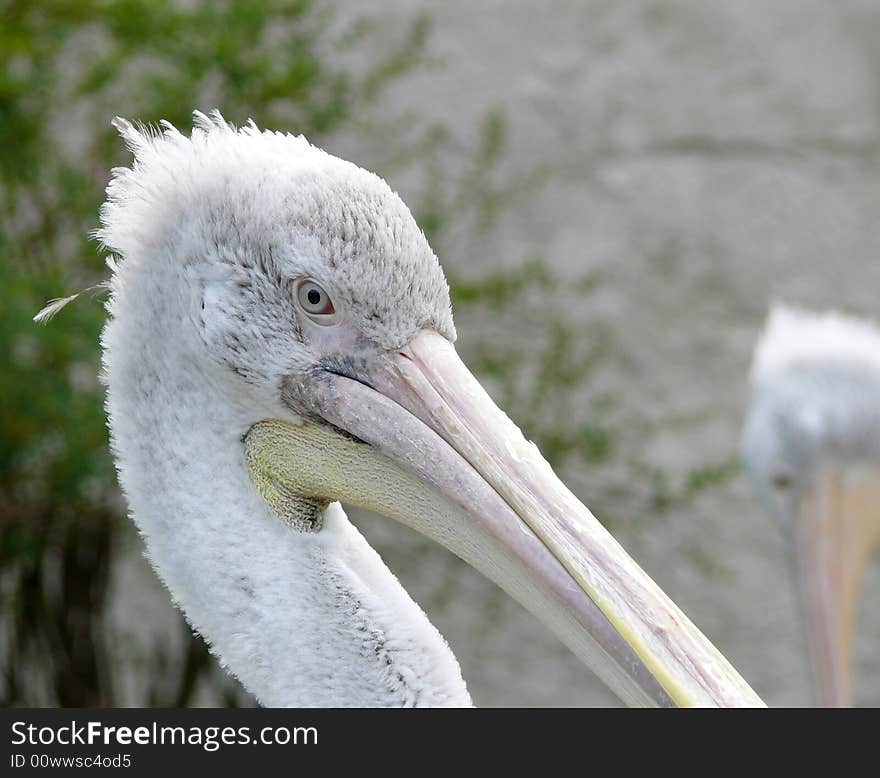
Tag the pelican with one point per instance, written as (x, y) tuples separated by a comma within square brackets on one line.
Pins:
[(812, 446), (280, 339)]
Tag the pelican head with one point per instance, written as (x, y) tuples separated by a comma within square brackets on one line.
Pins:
[(280, 339), (812, 446)]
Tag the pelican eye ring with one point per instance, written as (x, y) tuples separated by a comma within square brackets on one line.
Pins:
[(315, 302)]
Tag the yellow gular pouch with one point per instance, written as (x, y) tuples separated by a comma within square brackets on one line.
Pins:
[(299, 469), (273, 471)]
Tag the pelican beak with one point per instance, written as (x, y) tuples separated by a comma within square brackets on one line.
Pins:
[(443, 458), (838, 530)]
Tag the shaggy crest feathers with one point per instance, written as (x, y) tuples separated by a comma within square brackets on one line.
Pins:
[(793, 336), (140, 139), (166, 160), (245, 193)]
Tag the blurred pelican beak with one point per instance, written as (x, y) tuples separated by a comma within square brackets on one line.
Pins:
[(442, 458), (837, 533)]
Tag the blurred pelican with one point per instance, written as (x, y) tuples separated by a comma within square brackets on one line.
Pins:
[(280, 337), (812, 446)]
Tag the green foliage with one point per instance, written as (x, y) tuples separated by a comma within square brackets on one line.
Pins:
[(665, 495), (66, 68), (476, 197), (538, 379), (713, 474), (502, 288)]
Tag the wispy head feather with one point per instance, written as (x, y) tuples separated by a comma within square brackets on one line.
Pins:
[(55, 305)]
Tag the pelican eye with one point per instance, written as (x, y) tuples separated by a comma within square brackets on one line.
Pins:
[(315, 302)]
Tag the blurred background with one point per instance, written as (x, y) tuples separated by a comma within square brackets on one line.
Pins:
[(617, 192)]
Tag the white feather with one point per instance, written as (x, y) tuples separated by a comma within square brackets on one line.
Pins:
[(794, 336), (52, 307), (55, 305)]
